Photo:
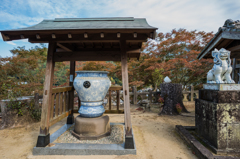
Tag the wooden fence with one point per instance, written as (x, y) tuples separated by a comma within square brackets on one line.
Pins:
[(114, 94), (60, 103), (188, 96)]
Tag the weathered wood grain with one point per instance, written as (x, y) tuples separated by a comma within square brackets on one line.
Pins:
[(62, 89), (47, 96), (127, 117)]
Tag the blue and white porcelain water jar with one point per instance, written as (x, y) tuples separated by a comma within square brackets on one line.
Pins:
[(92, 87)]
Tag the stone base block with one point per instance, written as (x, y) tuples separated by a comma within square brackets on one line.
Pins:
[(220, 96), (219, 124), (70, 119), (43, 141), (91, 128)]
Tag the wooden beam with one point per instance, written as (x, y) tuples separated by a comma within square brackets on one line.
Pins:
[(59, 118), (86, 37), (224, 43), (63, 46), (114, 112), (127, 115), (234, 48), (87, 56), (92, 56), (133, 49), (62, 89)]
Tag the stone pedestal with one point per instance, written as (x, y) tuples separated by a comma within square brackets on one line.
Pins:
[(91, 128), (217, 119)]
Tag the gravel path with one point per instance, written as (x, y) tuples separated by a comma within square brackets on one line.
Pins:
[(116, 137)]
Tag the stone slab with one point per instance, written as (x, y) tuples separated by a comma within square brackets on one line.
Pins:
[(82, 149), (200, 150), (59, 132), (221, 87), (217, 96)]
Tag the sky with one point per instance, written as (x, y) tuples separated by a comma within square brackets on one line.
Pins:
[(201, 15)]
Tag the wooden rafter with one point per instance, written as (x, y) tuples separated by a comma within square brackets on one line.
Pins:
[(234, 48), (65, 47)]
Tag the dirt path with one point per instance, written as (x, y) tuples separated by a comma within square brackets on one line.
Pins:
[(155, 138)]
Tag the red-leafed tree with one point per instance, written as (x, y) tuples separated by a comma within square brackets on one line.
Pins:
[(175, 53)]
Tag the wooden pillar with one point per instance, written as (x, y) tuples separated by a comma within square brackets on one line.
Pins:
[(36, 101), (110, 99), (233, 69), (44, 136), (192, 90), (150, 96), (238, 82), (134, 89), (79, 104), (118, 99), (70, 118), (127, 116)]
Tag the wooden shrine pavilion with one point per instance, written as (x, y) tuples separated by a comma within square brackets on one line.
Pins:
[(84, 39), (228, 37)]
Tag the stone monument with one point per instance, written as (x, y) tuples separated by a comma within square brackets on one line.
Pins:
[(217, 113), (92, 87), (172, 94)]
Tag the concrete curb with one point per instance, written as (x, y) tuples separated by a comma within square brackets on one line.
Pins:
[(82, 149)]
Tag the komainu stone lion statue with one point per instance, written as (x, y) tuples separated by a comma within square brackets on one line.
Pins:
[(220, 73)]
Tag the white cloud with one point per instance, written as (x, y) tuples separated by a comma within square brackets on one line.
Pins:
[(165, 14), (23, 40), (11, 43)]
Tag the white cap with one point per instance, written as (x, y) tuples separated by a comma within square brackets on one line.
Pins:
[(167, 79)]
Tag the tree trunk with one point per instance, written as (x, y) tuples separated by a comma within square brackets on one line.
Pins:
[(172, 94), (155, 87)]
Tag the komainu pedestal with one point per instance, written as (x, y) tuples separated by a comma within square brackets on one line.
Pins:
[(217, 118)]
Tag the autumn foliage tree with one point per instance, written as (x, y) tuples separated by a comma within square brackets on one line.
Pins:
[(175, 53), (24, 72)]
